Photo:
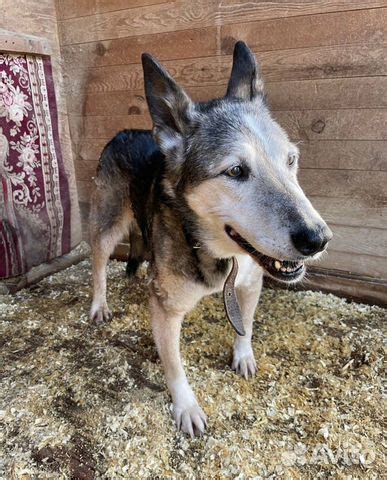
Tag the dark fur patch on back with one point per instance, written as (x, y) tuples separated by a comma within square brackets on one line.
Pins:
[(135, 154)]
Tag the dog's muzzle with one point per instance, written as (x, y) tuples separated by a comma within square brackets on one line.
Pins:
[(284, 270)]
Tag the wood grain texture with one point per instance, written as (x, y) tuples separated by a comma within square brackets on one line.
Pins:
[(18, 42), (349, 124), (357, 27), (352, 154), (38, 18), (360, 241), (329, 93), (350, 263), (82, 8), (350, 28), (355, 212), (236, 11), (297, 64), (185, 14), (125, 51), (352, 184), (361, 92)]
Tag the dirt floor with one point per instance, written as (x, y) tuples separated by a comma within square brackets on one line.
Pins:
[(82, 402)]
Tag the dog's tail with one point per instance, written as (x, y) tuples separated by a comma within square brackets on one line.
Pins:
[(136, 252)]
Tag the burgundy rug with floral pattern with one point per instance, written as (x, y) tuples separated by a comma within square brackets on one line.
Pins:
[(34, 190)]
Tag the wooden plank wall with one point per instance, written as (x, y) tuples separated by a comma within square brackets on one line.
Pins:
[(325, 66), (39, 18)]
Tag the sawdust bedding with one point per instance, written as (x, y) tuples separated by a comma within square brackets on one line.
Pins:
[(83, 402)]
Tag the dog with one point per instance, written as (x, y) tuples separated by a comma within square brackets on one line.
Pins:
[(214, 181)]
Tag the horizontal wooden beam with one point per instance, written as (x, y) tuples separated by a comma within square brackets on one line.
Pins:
[(356, 288), (21, 43), (14, 284)]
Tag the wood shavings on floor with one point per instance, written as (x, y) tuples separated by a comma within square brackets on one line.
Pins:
[(82, 402)]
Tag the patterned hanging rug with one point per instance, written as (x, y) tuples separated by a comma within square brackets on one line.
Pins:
[(34, 190)]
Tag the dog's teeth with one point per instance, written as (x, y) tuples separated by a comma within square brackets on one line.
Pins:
[(283, 269), (289, 269), (277, 265)]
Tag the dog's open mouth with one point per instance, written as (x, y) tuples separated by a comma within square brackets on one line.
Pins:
[(284, 270)]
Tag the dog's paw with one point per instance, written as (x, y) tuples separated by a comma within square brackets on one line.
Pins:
[(244, 362), (191, 420), (100, 314)]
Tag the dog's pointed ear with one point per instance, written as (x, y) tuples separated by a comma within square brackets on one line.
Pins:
[(170, 107), (245, 81)]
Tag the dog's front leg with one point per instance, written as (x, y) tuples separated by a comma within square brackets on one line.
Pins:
[(189, 417), (248, 295)]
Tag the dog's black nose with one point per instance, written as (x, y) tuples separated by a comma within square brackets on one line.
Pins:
[(310, 241)]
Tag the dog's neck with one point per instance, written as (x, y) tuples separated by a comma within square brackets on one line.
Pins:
[(179, 223)]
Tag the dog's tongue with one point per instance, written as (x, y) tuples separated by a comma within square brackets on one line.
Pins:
[(230, 299)]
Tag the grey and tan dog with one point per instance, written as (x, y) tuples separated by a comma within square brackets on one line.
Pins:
[(215, 181)]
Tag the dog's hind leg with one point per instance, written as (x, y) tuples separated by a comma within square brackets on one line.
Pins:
[(110, 219), (248, 295), (136, 251)]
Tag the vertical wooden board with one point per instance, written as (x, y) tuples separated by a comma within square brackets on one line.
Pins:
[(353, 27)]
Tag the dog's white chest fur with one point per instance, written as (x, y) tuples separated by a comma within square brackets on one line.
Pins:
[(247, 273)]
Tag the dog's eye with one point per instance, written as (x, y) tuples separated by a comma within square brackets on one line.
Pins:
[(292, 159), (235, 171)]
